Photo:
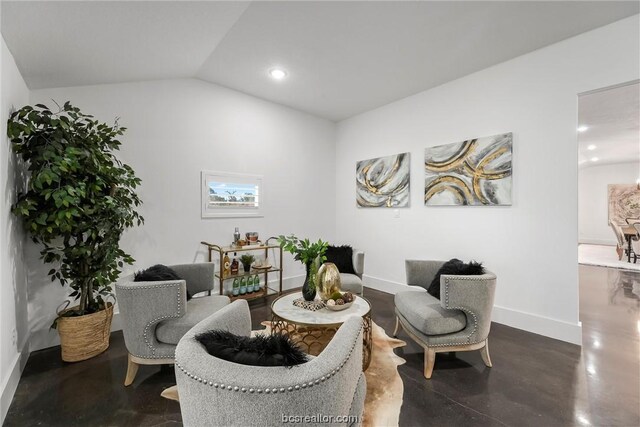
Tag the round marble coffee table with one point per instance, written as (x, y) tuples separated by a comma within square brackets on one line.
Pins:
[(314, 329)]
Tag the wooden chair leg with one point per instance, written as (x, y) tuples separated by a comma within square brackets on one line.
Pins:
[(619, 251), (132, 370), (429, 361), (395, 330), (484, 352)]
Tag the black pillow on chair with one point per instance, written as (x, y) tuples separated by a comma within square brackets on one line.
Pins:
[(261, 350), (342, 257), (157, 273), (454, 266)]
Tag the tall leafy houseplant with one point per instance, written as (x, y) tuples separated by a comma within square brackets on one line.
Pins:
[(79, 199), (311, 254)]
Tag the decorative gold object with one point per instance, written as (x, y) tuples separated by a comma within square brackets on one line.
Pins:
[(328, 280)]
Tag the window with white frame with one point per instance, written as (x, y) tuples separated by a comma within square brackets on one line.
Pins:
[(226, 194)]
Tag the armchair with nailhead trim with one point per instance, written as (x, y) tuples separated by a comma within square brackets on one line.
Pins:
[(353, 282), (459, 321), (215, 392), (155, 315)]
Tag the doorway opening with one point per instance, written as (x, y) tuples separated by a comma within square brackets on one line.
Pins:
[(609, 280), (609, 176)]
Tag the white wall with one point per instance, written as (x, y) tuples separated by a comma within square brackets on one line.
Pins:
[(178, 128), (593, 201), (531, 246), (14, 332)]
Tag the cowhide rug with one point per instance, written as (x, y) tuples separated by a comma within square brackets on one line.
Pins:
[(384, 385)]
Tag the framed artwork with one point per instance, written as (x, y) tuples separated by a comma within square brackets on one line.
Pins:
[(383, 182), (231, 195), (624, 202), (472, 172)]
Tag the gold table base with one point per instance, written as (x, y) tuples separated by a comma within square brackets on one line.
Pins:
[(314, 338)]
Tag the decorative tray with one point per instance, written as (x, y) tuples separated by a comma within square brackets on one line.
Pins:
[(339, 307), (262, 267), (308, 305), (347, 296)]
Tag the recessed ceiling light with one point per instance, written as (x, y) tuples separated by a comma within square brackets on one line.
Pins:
[(277, 73), (594, 159), (591, 147), (582, 128)]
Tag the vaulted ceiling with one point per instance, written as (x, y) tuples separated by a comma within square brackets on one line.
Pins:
[(342, 58)]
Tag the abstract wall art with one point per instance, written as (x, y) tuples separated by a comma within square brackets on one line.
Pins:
[(624, 202), (472, 172), (383, 182)]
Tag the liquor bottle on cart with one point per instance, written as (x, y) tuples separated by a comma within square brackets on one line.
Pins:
[(235, 265), (226, 266)]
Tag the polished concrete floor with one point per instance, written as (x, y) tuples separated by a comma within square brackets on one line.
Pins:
[(535, 381)]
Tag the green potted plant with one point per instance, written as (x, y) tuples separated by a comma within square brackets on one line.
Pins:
[(78, 201), (246, 261), (308, 253)]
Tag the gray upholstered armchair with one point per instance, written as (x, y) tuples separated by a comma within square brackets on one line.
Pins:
[(459, 321), (155, 315), (217, 392), (353, 282)]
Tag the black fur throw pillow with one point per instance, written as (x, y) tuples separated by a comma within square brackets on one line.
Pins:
[(454, 266), (157, 273), (342, 257), (262, 350)]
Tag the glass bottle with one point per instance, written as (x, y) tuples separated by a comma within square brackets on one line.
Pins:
[(256, 283), (243, 286), (236, 287), (236, 236), (226, 265), (249, 284), (234, 265)]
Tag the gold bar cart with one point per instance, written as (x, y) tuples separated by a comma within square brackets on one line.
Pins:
[(266, 291)]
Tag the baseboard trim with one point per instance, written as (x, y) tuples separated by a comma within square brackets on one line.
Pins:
[(383, 285), (552, 328), (288, 283), (13, 378), (602, 242), (541, 325)]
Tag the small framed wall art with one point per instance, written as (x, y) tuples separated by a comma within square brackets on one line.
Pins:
[(383, 182)]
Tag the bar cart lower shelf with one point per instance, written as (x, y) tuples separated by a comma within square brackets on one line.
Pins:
[(255, 295), (221, 251)]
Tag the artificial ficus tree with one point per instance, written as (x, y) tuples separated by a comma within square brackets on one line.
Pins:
[(79, 198)]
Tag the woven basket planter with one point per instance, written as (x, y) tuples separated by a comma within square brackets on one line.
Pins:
[(84, 337)]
